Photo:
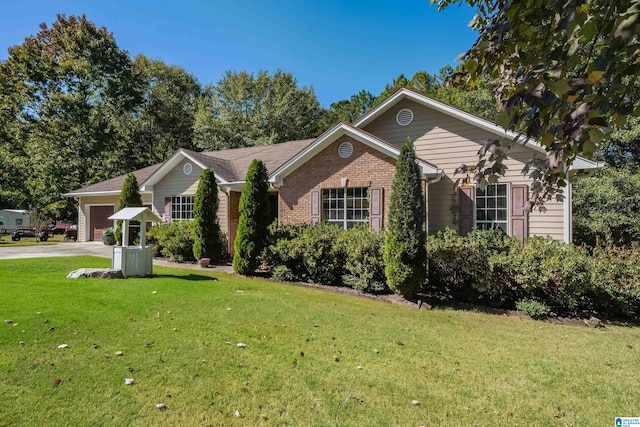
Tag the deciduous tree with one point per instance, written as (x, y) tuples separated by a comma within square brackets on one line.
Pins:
[(64, 94), (566, 70), (247, 109)]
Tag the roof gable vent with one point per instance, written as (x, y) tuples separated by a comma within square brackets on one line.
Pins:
[(404, 117), (345, 150)]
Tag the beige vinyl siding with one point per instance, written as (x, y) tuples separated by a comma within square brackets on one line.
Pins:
[(176, 183), (448, 143), (85, 203), (223, 212)]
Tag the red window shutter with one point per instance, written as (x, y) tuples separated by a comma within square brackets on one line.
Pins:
[(315, 206), (466, 196), (519, 217), (376, 208), (167, 209)]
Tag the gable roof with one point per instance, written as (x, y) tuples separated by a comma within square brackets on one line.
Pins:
[(403, 93), (230, 166), (114, 185), (342, 129)]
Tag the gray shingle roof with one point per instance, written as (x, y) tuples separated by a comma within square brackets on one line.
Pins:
[(231, 165), (115, 184)]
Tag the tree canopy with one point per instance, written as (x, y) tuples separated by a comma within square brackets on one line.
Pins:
[(64, 94), (244, 109), (565, 69)]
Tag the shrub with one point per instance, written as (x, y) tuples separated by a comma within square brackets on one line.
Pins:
[(251, 237), (206, 231), (404, 245), (551, 271), (616, 278), (364, 267), (173, 240), (533, 308), (312, 253), (284, 274), (463, 267)]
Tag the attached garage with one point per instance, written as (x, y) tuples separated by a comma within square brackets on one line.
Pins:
[(98, 220)]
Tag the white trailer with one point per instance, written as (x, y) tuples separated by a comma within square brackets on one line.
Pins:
[(12, 219)]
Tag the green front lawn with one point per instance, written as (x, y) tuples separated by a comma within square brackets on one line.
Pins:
[(311, 357), (5, 241)]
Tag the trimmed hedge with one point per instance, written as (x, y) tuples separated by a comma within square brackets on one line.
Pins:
[(326, 254), (488, 268)]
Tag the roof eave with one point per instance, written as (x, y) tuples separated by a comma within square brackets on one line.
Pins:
[(170, 164), (277, 177)]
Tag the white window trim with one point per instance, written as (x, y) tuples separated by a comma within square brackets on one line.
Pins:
[(173, 204), (344, 222), (475, 206)]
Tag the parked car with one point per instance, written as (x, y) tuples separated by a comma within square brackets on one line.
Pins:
[(43, 233)]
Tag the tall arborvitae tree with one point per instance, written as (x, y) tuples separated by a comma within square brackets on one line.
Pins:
[(208, 242), (254, 219), (129, 198), (405, 236)]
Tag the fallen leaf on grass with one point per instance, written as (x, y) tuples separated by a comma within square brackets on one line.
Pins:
[(336, 358), (154, 292), (241, 345), (119, 353), (161, 406), (95, 345), (629, 346), (8, 321), (238, 414), (63, 346), (399, 342), (415, 402), (302, 354), (295, 362), (56, 383), (376, 351), (128, 381), (358, 367)]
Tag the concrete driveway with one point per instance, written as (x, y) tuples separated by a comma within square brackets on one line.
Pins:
[(98, 249), (62, 249)]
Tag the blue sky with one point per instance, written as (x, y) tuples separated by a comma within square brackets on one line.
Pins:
[(338, 47)]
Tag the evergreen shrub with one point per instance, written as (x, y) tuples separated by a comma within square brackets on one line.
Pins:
[(173, 241), (253, 224)]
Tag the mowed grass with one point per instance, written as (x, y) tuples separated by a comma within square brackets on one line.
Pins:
[(5, 241), (179, 331)]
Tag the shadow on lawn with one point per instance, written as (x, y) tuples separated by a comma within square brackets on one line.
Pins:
[(188, 277)]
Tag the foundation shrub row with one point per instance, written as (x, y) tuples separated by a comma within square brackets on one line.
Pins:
[(540, 276)]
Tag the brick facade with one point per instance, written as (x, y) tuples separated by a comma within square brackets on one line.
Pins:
[(366, 167)]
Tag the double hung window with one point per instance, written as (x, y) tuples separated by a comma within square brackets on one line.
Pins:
[(345, 206)]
